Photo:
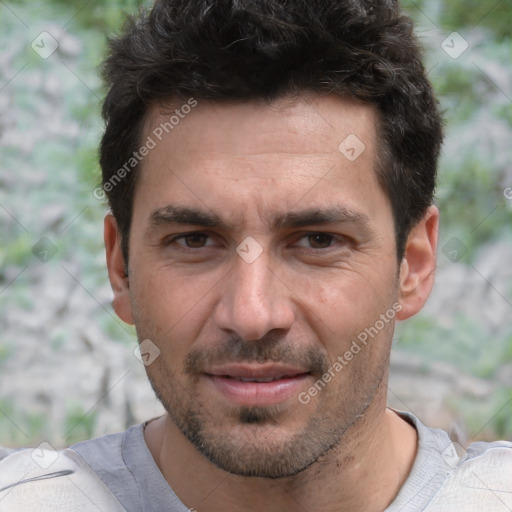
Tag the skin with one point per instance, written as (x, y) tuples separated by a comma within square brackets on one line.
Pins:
[(303, 300)]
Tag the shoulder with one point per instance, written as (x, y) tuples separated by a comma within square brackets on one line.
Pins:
[(118, 460), (5, 451), (447, 478), (102, 452), (480, 480), (107, 456), (488, 463), (48, 480)]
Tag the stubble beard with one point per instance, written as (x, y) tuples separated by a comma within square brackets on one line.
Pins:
[(256, 443)]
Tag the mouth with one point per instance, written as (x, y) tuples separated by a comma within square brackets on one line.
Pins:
[(257, 385), (266, 379)]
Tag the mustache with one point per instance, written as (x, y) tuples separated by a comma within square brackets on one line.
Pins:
[(271, 348)]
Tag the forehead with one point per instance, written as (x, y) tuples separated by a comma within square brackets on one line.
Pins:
[(273, 156), (309, 124)]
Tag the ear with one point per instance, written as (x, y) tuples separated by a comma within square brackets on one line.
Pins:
[(116, 270), (418, 265)]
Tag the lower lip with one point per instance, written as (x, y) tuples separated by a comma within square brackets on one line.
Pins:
[(258, 393)]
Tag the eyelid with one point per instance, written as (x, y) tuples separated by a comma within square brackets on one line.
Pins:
[(168, 240), (335, 238)]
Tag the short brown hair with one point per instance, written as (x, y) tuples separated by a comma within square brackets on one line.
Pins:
[(240, 50)]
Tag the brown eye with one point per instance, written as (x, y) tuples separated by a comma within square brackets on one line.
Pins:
[(320, 240), (190, 240), (195, 241)]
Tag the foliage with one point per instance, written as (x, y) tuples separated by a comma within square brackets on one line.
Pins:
[(19, 427), (79, 424)]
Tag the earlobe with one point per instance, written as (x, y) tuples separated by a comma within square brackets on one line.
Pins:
[(117, 270), (418, 265)]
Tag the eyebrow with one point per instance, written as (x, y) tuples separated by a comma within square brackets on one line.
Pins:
[(184, 215), (314, 216), (336, 215)]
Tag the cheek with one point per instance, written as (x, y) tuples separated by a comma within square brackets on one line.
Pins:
[(345, 310), (164, 293), (347, 293), (170, 310)]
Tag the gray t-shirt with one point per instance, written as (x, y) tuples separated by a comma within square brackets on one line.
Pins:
[(442, 478)]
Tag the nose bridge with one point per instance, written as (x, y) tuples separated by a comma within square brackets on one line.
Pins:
[(254, 282), (253, 302)]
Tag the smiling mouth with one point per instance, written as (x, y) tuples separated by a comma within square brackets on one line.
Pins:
[(261, 379), (257, 386)]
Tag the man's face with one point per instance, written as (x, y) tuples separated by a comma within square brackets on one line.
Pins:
[(259, 250)]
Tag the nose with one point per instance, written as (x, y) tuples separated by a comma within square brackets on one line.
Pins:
[(254, 300)]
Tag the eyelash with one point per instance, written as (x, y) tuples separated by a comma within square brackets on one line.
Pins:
[(184, 236)]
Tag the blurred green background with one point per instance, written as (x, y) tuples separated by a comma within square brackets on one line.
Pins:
[(53, 283)]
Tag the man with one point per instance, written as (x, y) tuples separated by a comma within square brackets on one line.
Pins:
[(270, 167)]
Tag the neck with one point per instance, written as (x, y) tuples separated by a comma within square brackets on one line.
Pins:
[(363, 473)]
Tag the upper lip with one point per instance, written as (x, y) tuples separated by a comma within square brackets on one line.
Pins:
[(259, 371)]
